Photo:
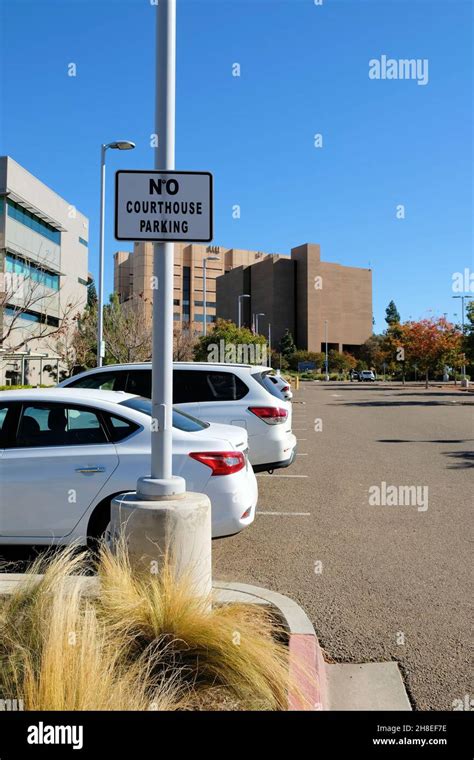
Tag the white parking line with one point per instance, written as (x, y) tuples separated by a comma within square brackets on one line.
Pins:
[(285, 514), (301, 455), (266, 475)]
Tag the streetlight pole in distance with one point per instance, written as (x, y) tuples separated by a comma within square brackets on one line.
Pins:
[(204, 293), (463, 368), (117, 145), (260, 314), (243, 295), (269, 345), (327, 355)]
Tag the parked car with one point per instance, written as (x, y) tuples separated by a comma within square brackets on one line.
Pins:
[(366, 376), (234, 394), (277, 385), (354, 375), (65, 453)]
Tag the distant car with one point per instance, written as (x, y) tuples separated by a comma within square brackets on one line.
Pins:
[(233, 394), (65, 453), (277, 385), (354, 375), (366, 376)]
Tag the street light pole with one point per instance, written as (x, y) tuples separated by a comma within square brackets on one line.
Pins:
[(463, 368), (269, 345), (117, 145), (260, 314), (327, 355), (243, 295), (100, 294)]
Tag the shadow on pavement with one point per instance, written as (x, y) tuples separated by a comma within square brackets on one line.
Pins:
[(465, 459), (432, 440)]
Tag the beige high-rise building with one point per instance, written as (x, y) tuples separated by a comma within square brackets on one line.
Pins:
[(133, 272), (305, 295)]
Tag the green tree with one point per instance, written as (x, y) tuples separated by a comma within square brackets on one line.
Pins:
[(229, 343), (341, 362), (392, 317), (91, 294), (468, 338), (372, 352), (287, 345)]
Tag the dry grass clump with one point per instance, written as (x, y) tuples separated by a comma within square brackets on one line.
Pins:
[(143, 642)]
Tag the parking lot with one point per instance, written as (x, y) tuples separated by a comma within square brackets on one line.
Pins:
[(380, 582)]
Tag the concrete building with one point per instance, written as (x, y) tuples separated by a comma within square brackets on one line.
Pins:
[(133, 277), (43, 275), (304, 294)]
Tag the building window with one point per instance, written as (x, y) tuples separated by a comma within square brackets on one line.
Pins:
[(176, 302), (209, 304), (31, 316), (43, 276), (186, 293), (20, 214), (176, 317), (200, 318), (84, 242)]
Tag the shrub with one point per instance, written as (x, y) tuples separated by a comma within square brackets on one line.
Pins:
[(142, 642)]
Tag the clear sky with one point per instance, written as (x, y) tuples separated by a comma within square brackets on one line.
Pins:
[(304, 70)]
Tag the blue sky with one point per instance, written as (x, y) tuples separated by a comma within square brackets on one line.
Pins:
[(304, 70)]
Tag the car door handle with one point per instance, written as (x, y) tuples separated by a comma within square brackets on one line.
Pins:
[(88, 470)]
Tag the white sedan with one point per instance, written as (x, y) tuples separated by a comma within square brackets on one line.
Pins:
[(65, 453)]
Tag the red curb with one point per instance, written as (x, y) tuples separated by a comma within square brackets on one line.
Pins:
[(307, 673)]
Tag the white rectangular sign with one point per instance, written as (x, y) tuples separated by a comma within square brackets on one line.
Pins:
[(161, 206)]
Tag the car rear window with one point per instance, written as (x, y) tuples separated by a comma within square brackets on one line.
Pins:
[(181, 421), (114, 380), (207, 385), (268, 382)]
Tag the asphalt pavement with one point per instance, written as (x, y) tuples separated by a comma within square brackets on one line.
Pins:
[(382, 577)]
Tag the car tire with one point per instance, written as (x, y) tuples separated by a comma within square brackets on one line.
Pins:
[(98, 523)]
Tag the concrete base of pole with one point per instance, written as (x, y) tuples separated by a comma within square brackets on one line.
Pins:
[(156, 488), (177, 530)]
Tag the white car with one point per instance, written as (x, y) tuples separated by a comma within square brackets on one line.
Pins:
[(366, 376), (233, 394), (64, 454)]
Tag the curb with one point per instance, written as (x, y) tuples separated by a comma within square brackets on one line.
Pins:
[(307, 666)]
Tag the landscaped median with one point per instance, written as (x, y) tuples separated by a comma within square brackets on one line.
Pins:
[(121, 640)]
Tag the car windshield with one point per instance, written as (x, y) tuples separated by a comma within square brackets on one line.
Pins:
[(181, 421)]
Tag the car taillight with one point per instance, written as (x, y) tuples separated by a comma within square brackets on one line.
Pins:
[(272, 415), (221, 462), (286, 388)]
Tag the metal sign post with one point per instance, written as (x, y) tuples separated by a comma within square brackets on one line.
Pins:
[(162, 522)]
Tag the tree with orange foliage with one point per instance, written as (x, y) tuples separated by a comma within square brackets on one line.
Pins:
[(431, 343)]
